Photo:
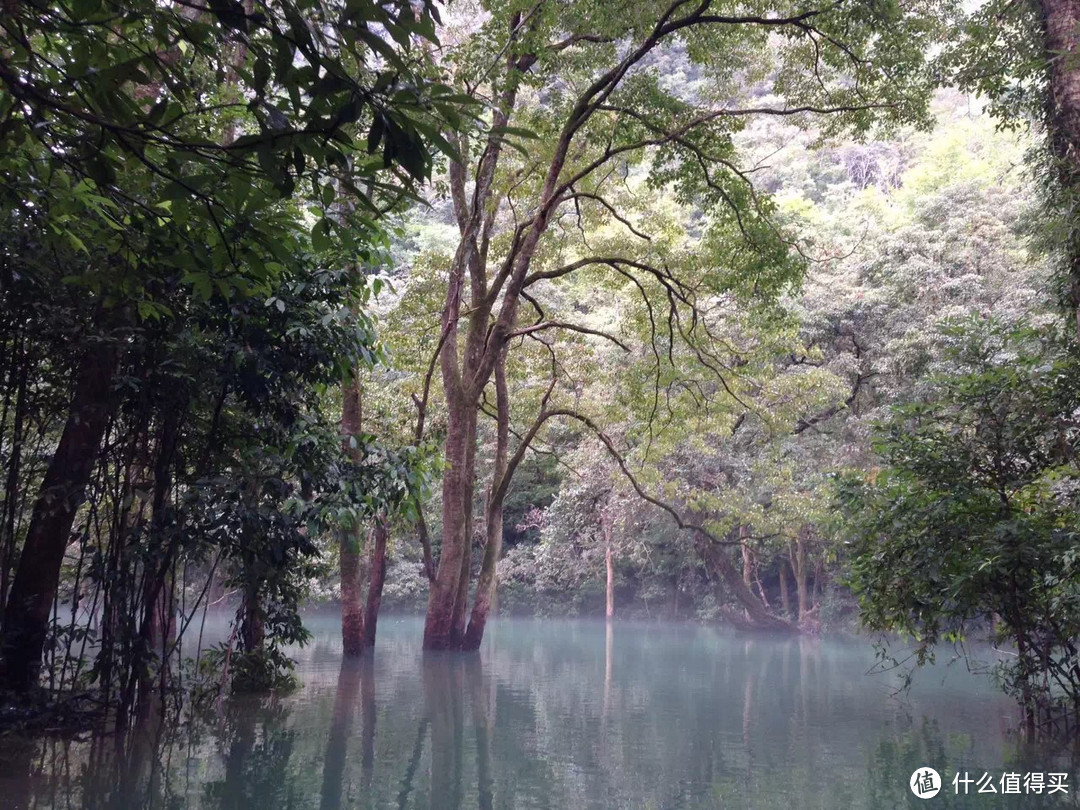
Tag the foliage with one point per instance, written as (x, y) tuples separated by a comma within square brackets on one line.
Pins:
[(191, 192), (972, 520), (264, 669), (903, 234)]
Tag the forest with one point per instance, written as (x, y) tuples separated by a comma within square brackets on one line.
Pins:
[(759, 316)]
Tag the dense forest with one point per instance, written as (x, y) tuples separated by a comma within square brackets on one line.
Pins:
[(763, 314)]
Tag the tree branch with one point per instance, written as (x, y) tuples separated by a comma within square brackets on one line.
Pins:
[(539, 327)]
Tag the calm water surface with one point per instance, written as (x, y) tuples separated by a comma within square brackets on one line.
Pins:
[(562, 715)]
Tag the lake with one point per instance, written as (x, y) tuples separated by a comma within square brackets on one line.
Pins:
[(565, 714)]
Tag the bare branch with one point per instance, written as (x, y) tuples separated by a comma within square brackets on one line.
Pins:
[(539, 327), (645, 496), (571, 41), (582, 195)]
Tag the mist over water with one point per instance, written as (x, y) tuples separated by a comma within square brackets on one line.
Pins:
[(560, 714)]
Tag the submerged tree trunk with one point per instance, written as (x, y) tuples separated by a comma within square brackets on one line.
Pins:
[(464, 377), (444, 599), (485, 586), (37, 577), (353, 635), (493, 519), (377, 577), (444, 696), (483, 718), (609, 566), (609, 666)]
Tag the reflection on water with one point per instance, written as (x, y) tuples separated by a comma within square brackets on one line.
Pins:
[(557, 715)]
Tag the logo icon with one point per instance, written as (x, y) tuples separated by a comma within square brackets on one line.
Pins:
[(925, 783)]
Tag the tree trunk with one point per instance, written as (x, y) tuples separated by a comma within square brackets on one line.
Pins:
[(486, 584), (1061, 29), (353, 635), (609, 565), (785, 595), (158, 632), (444, 597), (757, 616), (33, 589), (798, 568), (350, 553), (158, 628), (493, 522), (747, 565), (252, 625), (819, 583), (377, 578), (11, 490)]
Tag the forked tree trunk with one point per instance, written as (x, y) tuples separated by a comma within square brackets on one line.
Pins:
[(26, 617), (465, 376)]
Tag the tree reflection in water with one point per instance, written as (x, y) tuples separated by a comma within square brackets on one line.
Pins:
[(557, 715)]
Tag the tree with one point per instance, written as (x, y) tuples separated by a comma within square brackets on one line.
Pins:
[(971, 522), (157, 149), (1024, 58), (579, 80)]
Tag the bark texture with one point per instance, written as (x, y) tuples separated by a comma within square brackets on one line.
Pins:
[(445, 603), (353, 634), (1061, 29)]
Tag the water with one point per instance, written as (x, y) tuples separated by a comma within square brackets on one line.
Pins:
[(562, 715)]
